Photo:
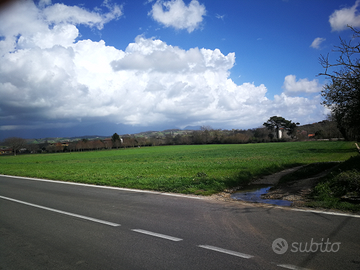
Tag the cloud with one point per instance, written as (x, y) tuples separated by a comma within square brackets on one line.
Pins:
[(221, 17), (156, 56), (345, 16), (291, 86), (60, 13), (43, 3), (25, 25), (178, 15), (317, 42), (50, 79)]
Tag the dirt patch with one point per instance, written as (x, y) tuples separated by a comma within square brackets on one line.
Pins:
[(273, 179), (295, 191), (222, 196)]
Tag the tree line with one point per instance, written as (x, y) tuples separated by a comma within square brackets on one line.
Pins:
[(276, 129)]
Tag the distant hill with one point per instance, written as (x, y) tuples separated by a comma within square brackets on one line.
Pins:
[(192, 128), (67, 139), (148, 134), (322, 129)]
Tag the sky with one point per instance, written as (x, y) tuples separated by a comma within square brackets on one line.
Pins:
[(74, 68)]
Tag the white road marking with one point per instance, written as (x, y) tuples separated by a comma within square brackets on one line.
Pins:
[(230, 252), (106, 187), (174, 195), (325, 212), (157, 235), (292, 267), (63, 212)]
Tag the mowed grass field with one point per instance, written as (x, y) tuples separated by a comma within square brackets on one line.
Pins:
[(196, 169)]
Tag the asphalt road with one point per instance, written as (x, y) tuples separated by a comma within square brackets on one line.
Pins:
[(51, 225)]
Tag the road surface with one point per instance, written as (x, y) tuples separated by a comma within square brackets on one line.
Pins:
[(54, 225)]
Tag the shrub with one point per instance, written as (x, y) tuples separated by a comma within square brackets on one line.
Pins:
[(339, 184), (345, 182)]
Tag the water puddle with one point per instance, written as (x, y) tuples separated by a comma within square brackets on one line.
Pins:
[(252, 193)]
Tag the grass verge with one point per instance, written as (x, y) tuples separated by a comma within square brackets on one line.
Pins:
[(340, 189)]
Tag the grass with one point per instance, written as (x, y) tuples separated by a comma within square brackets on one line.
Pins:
[(337, 188), (193, 169)]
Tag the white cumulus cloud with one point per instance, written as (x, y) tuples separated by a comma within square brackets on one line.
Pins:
[(292, 86), (175, 13), (317, 42), (60, 13), (345, 16)]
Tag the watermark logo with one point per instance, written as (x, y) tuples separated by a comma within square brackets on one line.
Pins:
[(280, 246)]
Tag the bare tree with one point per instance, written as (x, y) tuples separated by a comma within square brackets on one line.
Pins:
[(15, 143), (59, 147), (108, 143), (98, 144), (72, 146), (342, 93), (51, 148), (81, 145), (33, 147)]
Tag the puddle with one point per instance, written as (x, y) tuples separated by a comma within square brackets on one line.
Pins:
[(252, 193)]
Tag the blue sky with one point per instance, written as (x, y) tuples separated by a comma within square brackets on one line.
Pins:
[(73, 68)]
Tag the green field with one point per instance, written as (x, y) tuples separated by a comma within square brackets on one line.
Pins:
[(197, 169)]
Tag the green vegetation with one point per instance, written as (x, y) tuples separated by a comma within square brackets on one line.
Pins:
[(342, 93), (340, 187), (275, 123), (195, 169)]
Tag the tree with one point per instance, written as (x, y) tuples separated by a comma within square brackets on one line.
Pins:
[(169, 139), (197, 137), (33, 147), (342, 93), (260, 134), (15, 143), (275, 123), (291, 129), (72, 146), (116, 140), (84, 144), (108, 143), (98, 144), (59, 147), (81, 145), (50, 148), (217, 136)]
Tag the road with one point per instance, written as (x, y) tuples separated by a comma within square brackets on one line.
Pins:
[(53, 225)]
